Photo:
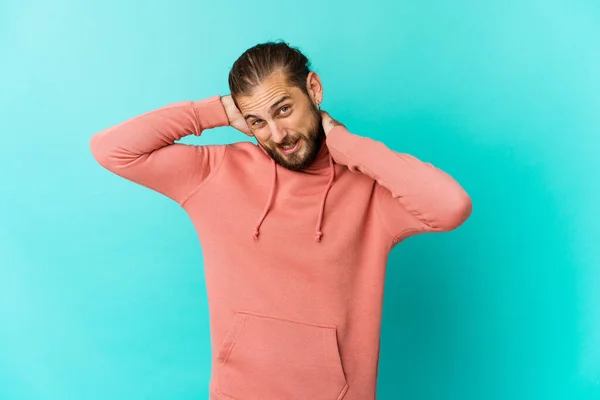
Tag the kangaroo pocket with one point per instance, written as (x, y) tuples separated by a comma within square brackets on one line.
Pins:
[(268, 358)]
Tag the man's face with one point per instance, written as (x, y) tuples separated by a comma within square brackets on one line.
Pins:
[(285, 122)]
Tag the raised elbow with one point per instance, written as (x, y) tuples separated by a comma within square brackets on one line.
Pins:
[(99, 153), (457, 211)]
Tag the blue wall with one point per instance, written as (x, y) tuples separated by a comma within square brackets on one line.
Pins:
[(102, 293)]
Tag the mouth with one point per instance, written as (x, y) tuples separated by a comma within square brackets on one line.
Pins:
[(290, 149)]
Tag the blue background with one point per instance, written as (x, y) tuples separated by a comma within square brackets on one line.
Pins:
[(102, 293)]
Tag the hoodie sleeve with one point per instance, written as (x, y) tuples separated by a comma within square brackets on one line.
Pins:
[(143, 149), (412, 196)]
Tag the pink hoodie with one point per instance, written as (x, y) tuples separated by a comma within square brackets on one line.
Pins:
[(294, 261)]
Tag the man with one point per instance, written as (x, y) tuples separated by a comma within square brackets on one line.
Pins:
[(295, 232)]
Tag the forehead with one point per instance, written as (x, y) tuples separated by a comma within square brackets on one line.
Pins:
[(266, 94)]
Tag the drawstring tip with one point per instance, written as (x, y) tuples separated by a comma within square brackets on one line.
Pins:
[(318, 236), (255, 235)]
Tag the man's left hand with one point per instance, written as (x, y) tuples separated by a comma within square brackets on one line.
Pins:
[(328, 122)]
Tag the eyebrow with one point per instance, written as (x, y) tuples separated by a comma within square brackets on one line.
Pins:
[(274, 105)]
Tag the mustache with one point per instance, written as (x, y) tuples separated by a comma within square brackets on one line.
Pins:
[(288, 141)]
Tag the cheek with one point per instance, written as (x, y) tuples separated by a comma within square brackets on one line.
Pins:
[(263, 137)]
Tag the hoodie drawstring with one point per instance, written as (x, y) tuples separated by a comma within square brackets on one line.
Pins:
[(318, 232), (269, 203)]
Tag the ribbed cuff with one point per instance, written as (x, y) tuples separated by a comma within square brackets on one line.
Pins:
[(210, 112), (342, 140)]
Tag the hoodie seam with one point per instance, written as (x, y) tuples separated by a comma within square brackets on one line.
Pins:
[(208, 179), (419, 217), (379, 213), (346, 153), (396, 238), (347, 150), (404, 234)]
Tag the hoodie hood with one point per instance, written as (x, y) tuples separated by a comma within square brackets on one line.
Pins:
[(323, 164)]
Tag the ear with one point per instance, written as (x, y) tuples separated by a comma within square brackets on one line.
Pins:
[(314, 87)]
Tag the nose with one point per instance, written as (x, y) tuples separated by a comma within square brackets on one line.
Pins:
[(277, 133)]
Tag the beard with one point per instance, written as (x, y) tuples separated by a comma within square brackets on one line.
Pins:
[(313, 141)]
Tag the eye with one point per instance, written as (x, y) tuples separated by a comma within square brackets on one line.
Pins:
[(284, 108), (255, 121)]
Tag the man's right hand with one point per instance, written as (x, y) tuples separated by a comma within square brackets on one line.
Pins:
[(235, 116)]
